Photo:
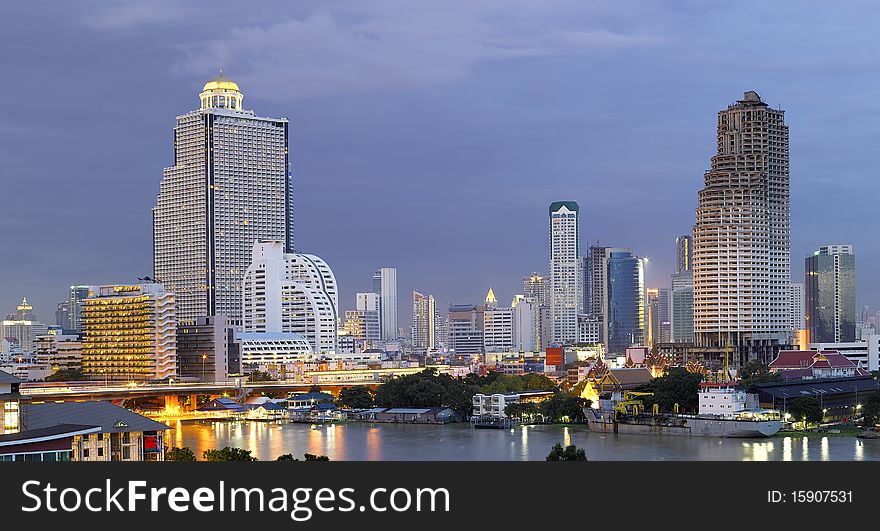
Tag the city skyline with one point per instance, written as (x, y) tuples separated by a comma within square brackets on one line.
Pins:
[(65, 210)]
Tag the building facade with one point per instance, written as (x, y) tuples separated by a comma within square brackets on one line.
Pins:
[(385, 286), (565, 271), (465, 329), (228, 188), (626, 301), (683, 307), (203, 348), (742, 257), (830, 294), (129, 333), (291, 293), (424, 325)]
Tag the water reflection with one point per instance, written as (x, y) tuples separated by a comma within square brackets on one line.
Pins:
[(402, 442)]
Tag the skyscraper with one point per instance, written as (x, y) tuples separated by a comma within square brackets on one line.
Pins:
[(75, 297), (684, 253), (657, 322), (565, 271), (291, 293), (626, 300), (424, 325), (683, 307), (537, 288), (229, 187), (385, 285), (830, 289), (741, 236), (798, 307)]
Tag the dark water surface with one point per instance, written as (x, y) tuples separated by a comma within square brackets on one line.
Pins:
[(460, 442)]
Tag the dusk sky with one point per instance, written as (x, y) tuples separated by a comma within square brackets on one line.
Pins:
[(430, 136)]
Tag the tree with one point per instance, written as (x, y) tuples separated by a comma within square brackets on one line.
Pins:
[(66, 375), (228, 454), (570, 453), (314, 388), (427, 389), (755, 372), (307, 456), (871, 409), (357, 397), (564, 408), (180, 454), (258, 376), (805, 408), (678, 386)]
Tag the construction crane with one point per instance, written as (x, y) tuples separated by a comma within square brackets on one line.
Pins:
[(630, 403)]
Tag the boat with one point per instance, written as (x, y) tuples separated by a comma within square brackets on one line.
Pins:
[(724, 411), (490, 422)]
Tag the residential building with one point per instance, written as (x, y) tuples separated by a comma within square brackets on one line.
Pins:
[(526, 331), (742, 257), (565, 271), (59, 352), (291, 293), (498, 328), (465, 329), (424, 323), (385, 286), (798, 307), (130, 333), (75, 297), (684, 254), (830, 294), (228, 188)]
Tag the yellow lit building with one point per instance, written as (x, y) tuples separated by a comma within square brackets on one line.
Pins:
[(129, 333)]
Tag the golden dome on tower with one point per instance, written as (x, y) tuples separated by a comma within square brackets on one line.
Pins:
[(221, 82)]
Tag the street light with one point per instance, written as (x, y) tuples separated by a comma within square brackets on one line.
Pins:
[(204, 357)]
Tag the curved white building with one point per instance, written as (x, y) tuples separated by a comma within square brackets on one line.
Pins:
[(292, 293)]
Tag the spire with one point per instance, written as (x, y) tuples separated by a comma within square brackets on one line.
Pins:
[(490, 298)]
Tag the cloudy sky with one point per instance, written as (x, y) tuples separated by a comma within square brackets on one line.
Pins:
[(430, 136)]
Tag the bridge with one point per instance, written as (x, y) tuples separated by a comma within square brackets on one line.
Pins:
[(239, 388)]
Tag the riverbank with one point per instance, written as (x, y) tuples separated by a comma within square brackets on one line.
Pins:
[(837, 432)]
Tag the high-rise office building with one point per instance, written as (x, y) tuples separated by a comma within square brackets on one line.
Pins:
[(537, 288), (830, 294), (75, 297), (798, 307), (498, 326), (385, 285), (684, 253), (565, 274), (657, 321), (291, 293), (62, 316), (129, 333), (625, 297), (229, 187), (465, 329), (22, 328), (203, 348), (362, 323), (742, 258), (683, 307), (424, 325), (526, 324)]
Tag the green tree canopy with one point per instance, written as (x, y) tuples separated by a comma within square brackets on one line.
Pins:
[(66, 375), (307, 456), (677, 386), (359, 396), (755, 372), (180, 454), (871, 409), (228, 454), (807, 407), (570, 453)]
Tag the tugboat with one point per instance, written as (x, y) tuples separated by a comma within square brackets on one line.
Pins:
[(724, 412)]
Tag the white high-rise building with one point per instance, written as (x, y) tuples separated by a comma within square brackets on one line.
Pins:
[(526, 321), (228, 188), (742, 256), (565, 271), (385, 285), (498, 329), (291, 292), (424, 325), (798, 308)]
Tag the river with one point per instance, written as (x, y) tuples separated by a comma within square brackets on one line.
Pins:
[(460, 442)]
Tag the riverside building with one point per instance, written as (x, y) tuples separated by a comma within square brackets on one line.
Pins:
[(130, 333)]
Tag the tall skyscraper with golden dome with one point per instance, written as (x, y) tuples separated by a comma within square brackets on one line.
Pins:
[(229, 187)]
